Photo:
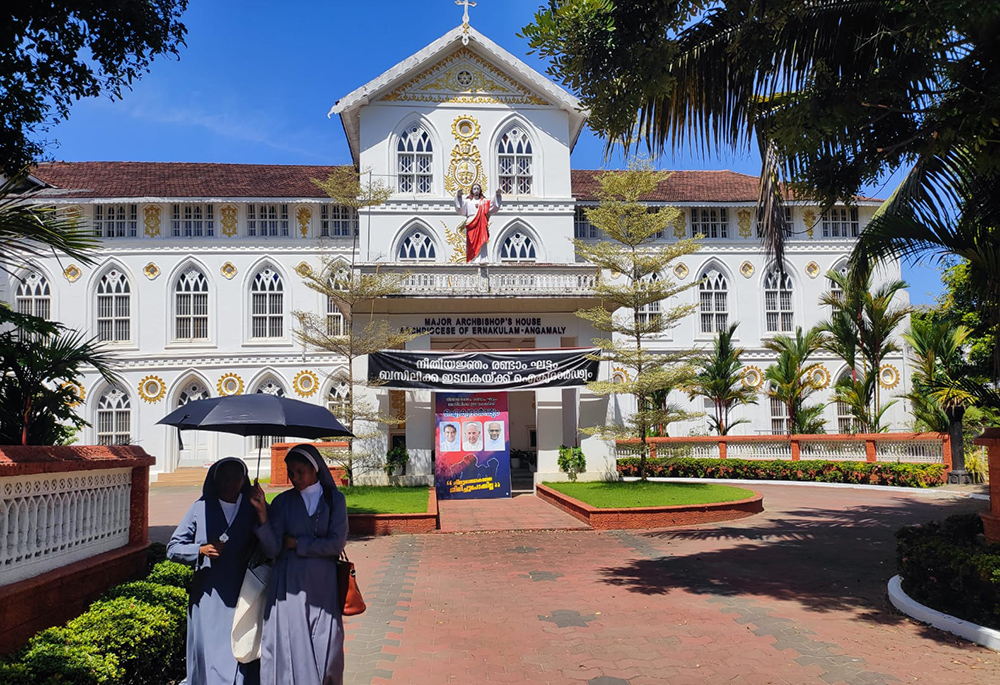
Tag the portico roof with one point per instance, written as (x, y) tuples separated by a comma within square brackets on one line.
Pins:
[(349, 106)]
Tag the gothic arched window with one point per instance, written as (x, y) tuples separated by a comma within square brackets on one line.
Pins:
[(114, 307), (267, 295), (338, 399), (514, 161), (414, 161), (191, 391), (845, 419), (114, 417), (34, 297), (651, 311), (518, 247), (191, 306), (778, 302), (714, 291), (269, 386), (417, 246)]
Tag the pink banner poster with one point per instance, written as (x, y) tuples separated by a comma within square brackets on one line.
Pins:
[(472, 445)]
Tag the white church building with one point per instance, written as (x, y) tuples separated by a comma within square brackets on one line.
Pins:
[(199, 271)]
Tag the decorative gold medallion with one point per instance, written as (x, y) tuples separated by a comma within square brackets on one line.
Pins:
[(466, 166), (888, 376), (227, 217), (306, 383), (230, 384), (303, 269), (72, 273), (304, 215), (79, 393), (753, 377), (681, 271), (809, 216), (819, 377), (620, 375), (151, 270), (746, 268), (812, 269), (680, 225), (744, 217), (152, 389), (151, 220), (228, 270)]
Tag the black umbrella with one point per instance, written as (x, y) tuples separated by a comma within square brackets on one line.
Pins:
[(257, 414)]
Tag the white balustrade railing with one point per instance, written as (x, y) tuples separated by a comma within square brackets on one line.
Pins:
[(761, 450), (53, 519), (497, 279), (910, 451), (841, 450)]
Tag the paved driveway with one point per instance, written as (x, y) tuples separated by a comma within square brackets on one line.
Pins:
[(794, 595)]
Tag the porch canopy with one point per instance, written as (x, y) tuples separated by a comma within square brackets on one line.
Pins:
[(479, 370)]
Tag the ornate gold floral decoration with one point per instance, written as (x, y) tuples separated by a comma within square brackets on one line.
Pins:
[(227, 217), (152, 389), (303, 269), (466, 165), (456, 240), (304, 215), (230, 384), (809, 216), (151, 220), (306, 383), (744, 217), (228, 270), (753, 377), (463, 78), (151, 270), (888, 376), (78, 391), (72, 273), (819, 377), (680, 225)]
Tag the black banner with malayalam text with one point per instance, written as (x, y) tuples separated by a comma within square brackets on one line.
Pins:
[(482, 369)]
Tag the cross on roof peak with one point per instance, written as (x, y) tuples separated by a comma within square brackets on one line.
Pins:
[(465, 19)]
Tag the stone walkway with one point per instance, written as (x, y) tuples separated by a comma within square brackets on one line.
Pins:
[(795, 595), (523, 512)]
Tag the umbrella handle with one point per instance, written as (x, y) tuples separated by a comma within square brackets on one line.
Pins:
[(260, 445)]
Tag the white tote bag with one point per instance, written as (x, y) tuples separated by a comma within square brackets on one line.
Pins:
[(249, 619)]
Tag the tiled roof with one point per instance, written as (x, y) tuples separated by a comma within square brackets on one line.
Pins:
[(179, 179), (194, 179)]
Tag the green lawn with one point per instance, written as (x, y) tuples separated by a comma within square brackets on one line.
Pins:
[(373, 499), (635, 494)]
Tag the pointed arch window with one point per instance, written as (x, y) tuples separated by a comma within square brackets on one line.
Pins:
[(650, 312), (33, 296), (515, 161), (778, 310), (417, 247), (114, 417), (192, 390), (267, 301), (845, 419), (518, 247), (335, 323), (191, 306), (338, 400), (714, 292), (414, 161), (779, 418), (269, 386), (114, 307), (835, 289)]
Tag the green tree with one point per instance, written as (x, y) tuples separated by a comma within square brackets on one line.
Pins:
[(630, 250), (720, 380), (963, 303), (56, 53), (351, 329), (40, 364), (861, 332), (790, 379)]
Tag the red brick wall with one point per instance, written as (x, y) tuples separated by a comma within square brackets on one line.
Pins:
[(279, 474), (389, 524)]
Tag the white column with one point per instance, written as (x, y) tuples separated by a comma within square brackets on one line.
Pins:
[(420, 423), (549, 432)]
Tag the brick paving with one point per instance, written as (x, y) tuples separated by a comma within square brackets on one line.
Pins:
[(523, 512), (795, 595)]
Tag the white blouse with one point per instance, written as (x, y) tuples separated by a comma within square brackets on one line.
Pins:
[(311, 495)]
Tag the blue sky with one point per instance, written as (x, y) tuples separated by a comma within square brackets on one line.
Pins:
[(256, 80)]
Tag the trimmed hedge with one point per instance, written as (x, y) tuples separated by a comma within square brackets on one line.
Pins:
[(855, 472), (134, 635), (947, 566)]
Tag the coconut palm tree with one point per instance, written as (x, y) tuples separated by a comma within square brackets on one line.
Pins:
[(720, 380), (861, 332), (789, 378)]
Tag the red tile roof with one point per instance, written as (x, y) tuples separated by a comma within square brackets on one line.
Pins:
[(183, 179), (179, 179)]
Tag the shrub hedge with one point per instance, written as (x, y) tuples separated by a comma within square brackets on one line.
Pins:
[(134, 635), (855, 472), (947, 566)]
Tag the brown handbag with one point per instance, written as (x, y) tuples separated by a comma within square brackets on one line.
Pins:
[(351, 601)]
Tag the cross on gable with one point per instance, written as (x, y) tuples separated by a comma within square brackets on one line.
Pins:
[(465, 19)]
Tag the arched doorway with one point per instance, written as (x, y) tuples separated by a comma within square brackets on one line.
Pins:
[(197, 445)]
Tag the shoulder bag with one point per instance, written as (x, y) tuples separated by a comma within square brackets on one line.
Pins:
[(351, 601)]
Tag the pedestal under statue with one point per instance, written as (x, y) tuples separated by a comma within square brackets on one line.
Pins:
[(477, 228)]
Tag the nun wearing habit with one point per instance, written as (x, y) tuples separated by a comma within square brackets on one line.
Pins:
[(216, 537), (305, 530)]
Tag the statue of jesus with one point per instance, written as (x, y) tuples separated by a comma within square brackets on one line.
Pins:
[(477, 230)]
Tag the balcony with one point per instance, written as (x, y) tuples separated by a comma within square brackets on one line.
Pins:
[(489, 288)]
